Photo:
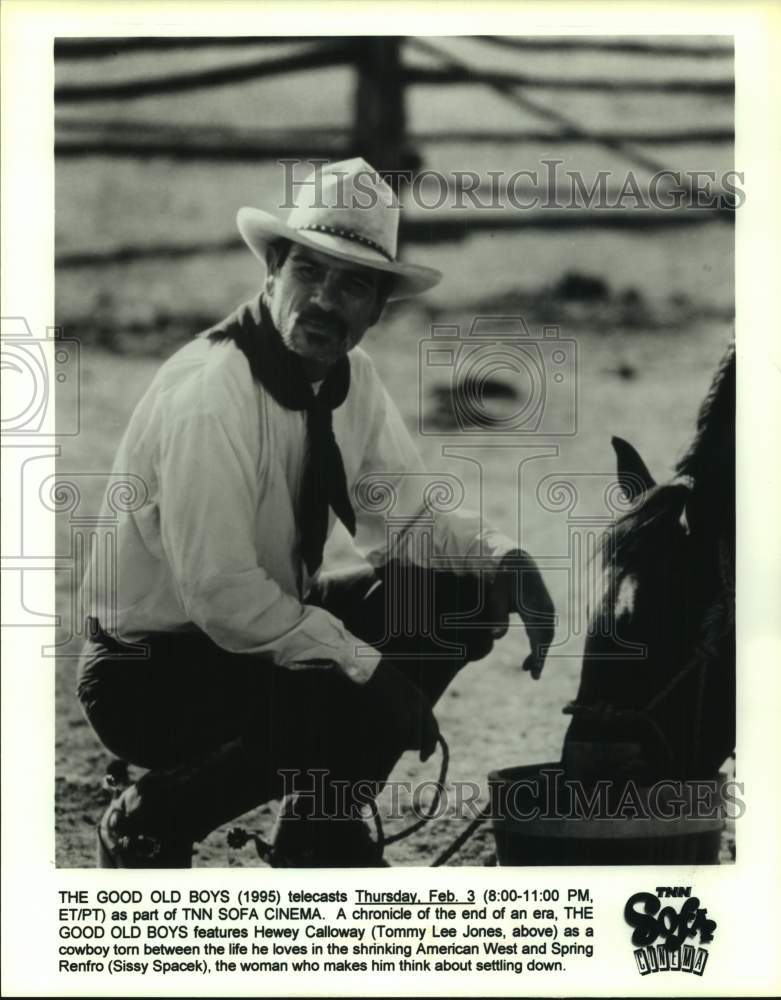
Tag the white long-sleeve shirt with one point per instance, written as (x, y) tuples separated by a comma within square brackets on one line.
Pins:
[(214, 542)]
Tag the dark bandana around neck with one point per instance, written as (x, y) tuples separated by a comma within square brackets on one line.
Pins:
[(281, 374)]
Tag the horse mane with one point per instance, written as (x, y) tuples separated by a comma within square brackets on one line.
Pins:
[(674, 550), (638, 531), (705, 478), (715, 426)]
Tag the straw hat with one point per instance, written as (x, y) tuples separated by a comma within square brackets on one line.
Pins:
[(348, 211)]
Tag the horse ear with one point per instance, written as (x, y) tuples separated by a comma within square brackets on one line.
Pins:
[(633, 474)]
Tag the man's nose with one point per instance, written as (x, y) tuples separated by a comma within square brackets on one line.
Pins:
[(327, 293)]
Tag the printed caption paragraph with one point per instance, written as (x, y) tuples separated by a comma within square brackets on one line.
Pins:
[(170, 931)]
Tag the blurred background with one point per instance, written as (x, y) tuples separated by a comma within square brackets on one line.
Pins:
[(159, 142)]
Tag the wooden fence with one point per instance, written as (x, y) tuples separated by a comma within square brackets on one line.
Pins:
[(379, 130)]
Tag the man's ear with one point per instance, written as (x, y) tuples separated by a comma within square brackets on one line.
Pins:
[(272, 266), (276, 253)]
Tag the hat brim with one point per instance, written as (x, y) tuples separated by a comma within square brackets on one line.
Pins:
[(259, 228)]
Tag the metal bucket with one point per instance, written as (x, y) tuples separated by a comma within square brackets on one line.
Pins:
[(535, 822)]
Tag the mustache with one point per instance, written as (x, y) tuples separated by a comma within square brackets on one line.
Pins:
[(329, 321)]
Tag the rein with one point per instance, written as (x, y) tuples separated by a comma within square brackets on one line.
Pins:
[(238, 836)]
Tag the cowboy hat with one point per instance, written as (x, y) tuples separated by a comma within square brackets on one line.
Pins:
[(348, 211)]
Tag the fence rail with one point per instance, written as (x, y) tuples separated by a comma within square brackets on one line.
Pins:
[(117, 138), (321, 55), (379, 129), (315, 57), (618, 45), (447, 229), (458, 74), (104, 48)]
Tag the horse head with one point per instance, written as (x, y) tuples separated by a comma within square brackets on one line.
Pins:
[(656, 695)]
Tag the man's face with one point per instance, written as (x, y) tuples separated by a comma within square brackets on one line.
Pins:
[(322, 306)]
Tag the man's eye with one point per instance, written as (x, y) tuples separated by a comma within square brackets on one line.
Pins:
[(306, 270)]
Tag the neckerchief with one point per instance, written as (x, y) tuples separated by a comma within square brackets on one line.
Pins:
[(281, 374)]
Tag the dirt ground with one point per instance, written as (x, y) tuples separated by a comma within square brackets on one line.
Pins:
[(493, 715), (646, 344)]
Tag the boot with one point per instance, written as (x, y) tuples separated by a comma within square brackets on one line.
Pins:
[(154, 823), (305, 842), (122, 844)]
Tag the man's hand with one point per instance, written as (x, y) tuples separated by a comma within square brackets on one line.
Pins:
[(403, 710), (518, 588)]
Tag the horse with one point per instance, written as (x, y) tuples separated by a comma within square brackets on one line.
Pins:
[(656, 698)]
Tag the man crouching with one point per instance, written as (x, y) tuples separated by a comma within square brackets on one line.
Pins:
[(224, 660)]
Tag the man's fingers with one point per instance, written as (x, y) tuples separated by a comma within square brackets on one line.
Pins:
[(535, 661), (537, 611), (539, 640)]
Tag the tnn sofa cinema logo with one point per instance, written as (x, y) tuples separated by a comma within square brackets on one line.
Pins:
[(660, 931)]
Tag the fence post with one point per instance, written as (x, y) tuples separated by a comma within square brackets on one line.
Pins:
[(379, 127)]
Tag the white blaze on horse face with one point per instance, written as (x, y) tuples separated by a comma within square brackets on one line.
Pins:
[(625, 598), (621, 602)]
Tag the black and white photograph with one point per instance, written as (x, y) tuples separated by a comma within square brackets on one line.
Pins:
[(383, 492), (406, 450)]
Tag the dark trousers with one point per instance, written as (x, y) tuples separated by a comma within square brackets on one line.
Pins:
[(222, 732)]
